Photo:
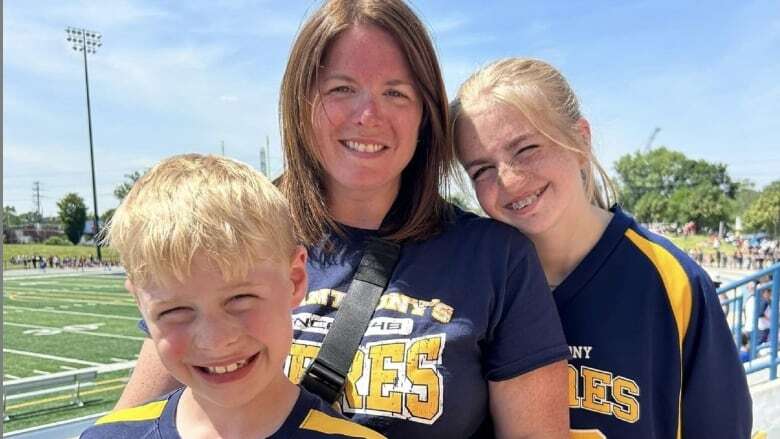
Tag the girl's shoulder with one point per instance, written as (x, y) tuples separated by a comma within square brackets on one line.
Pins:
[(669, 260)]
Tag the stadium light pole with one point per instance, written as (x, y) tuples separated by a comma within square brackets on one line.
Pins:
[(87, 41)]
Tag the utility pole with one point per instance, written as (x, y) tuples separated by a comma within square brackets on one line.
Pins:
[(87, 41), (265, 158), (222, 145), (37, 199)]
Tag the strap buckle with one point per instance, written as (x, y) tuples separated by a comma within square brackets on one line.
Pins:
[(323, 381)]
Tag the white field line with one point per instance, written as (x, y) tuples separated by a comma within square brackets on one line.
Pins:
[(52, 357), (31, 298), (75, 313), (119, 360), (13, 377), (63, 292), (68, 368), (74, 331), (40, 372)]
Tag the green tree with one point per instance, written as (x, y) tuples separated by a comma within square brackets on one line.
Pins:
[(703, 204), (73, 214), (10, 218), (123, 189), (764, 214), (745, 196), (662, 184)]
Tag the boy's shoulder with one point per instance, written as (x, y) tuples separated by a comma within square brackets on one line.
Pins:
[(138, 422), (313, 418)]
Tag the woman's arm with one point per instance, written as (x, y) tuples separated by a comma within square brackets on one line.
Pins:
[(149, 380), (532, 405)]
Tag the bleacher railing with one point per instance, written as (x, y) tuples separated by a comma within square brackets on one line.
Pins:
[(742, 304)]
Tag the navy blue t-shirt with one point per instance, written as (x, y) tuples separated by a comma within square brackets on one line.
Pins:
[(466, 306), (652, 355), (310, 418)]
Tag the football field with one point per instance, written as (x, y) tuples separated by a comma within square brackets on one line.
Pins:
[(55, 323)]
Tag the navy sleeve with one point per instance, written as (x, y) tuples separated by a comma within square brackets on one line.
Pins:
[(528, 333), (122, 430), (142, 326), (716, 400)]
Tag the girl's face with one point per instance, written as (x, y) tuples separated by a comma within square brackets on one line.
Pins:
[(521, 177), (369, 113)]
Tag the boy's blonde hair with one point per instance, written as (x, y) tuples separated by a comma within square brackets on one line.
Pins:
[(544, 97), (199, 204)]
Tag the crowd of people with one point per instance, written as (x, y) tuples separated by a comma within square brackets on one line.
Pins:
[(38, 262), (747, 254)]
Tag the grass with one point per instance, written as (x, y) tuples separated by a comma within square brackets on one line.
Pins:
[(700, 241), (77, 319), (61, 251)]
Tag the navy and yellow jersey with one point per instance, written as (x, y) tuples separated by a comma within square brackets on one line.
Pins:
[(310, 418), (468, 306), (652, 355)]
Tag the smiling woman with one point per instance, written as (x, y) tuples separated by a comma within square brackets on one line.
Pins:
[(465, 342)]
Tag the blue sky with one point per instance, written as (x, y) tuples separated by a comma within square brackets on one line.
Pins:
[(174, 77)]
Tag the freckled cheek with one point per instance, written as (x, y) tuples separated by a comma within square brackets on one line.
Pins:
[(487, 195), (175, 345), (272, 329), (332, 113)]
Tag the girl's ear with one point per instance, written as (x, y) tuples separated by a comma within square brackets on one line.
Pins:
[(583, 129)]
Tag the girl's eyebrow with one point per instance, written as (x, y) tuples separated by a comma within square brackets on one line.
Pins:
[(517, 140), (508, 145)]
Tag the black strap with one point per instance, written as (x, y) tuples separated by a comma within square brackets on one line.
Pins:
[(327, 374)]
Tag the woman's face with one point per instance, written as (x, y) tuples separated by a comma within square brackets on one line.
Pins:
[(369, 113), (521, 177)]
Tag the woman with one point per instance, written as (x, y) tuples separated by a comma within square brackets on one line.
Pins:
[(652, 355), (455, 340)]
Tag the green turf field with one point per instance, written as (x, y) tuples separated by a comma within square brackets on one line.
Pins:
[(56, 323)]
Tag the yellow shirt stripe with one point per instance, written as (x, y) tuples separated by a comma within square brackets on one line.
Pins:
[(146, 412), (678, 290), (318, 421)]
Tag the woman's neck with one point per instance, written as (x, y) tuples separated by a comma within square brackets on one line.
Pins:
[(196, 417), (565, 245), (364, 209)]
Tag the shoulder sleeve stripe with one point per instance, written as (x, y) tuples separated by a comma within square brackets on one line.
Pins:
[(678, 291), (318, 421), (146, 412)]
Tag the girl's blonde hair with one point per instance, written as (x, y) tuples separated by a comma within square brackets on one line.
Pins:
[(419, 208), (192, 204), (544, 97)]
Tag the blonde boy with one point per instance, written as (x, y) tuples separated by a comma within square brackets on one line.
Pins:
[(212, 262)]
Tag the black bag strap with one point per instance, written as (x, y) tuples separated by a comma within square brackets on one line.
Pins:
[(327, 374)]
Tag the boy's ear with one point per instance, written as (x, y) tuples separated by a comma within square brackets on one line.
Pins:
[(298, 275)]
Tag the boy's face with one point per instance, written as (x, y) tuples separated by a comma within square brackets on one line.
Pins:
[(226, 341)]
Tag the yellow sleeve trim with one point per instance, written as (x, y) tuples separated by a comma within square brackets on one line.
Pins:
[(678, 291), (146, 412), (318, 421)]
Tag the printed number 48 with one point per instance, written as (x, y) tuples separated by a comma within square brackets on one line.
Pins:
[(587, 434)]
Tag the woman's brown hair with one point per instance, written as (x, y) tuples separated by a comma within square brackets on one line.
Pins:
[(419, 209)]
